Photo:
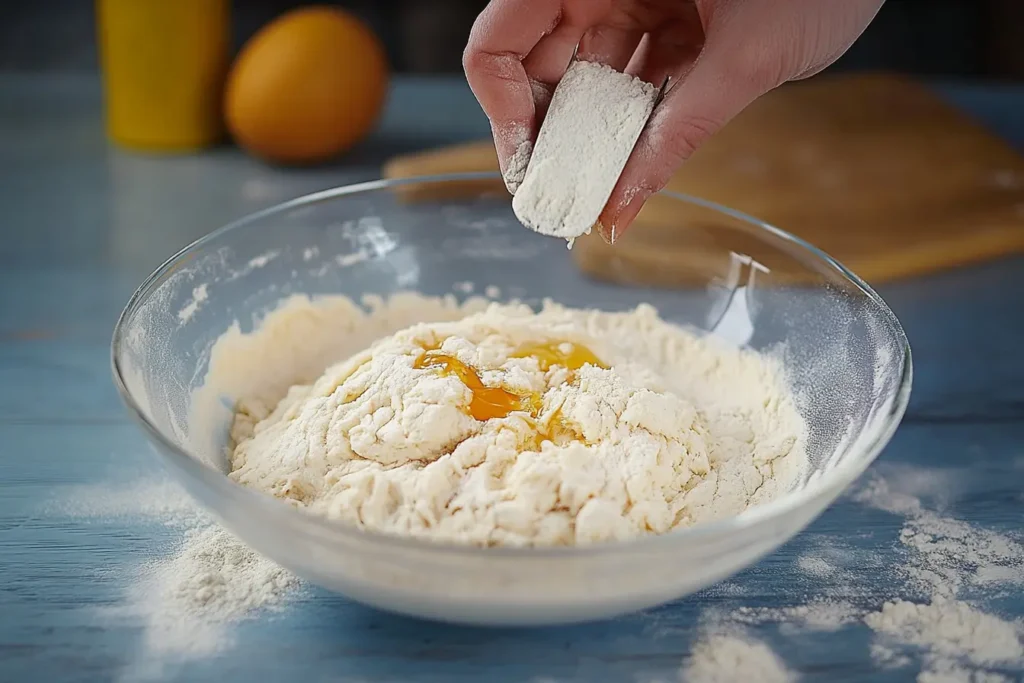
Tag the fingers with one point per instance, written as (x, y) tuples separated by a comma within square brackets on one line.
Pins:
[(502, 36), (672, 50), (547, 62), (749, 48), (717, 85), (611, 45), (517, 53)]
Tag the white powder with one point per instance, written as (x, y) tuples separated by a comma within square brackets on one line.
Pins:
[(188, 600), (199, 295), (886, 657), (956, 637), (730, 658), (949, 553), (946, 554), (211, 582), (815, 566), (950, 628), (588, 133), (943, 556), (161, 501), (948, 672), (820, 615), (680, 429), (955, 641)]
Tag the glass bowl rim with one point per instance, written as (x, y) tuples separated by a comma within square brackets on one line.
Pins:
[(316, 526)]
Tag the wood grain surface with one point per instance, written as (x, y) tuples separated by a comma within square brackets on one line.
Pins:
[(873, 169)]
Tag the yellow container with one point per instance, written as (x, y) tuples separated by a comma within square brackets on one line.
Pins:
[(164, 64)]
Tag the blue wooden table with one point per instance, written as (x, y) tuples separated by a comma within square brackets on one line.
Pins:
[(81, 225)]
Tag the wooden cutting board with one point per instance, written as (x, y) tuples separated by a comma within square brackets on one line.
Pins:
[(873, 169)]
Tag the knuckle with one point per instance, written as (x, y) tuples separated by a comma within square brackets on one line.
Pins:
[(757, 64), (487, 66), (760, 68), (688, 133)]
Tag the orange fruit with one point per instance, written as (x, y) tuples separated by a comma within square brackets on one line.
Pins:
[(307, 87)]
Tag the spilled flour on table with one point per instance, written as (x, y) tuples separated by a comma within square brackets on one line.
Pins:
[(945, 557), (946, 554), (723, 658), (160, 501), (188, 600), (949, 629), (926, 619)]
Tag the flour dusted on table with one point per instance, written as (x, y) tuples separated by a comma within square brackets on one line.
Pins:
[(188, 600), (588, 133), (728, 658), (215, 574), (945, 556), (822, 615), (918, 619), (952, 629), (665, 429)]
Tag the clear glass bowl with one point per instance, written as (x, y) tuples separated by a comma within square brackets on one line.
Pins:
[(714, 269)]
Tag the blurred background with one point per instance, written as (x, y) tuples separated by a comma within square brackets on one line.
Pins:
[(210, 109), (945, 38)]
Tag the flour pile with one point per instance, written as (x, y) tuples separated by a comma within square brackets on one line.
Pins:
[(510, 427), (184, 599), (189, 600), (731, 658)]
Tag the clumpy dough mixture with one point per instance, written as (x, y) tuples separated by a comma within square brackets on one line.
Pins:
[(499, 425)]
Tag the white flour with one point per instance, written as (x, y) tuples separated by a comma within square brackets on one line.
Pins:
[(950, 628), (944, 556), (819, 615), (956, 641), (947, 672), (212, 581), (588, 133), (680, 429), (189, 599), (161, 501), (733, 658)]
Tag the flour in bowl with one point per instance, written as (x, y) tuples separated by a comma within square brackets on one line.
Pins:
[(497, 425)]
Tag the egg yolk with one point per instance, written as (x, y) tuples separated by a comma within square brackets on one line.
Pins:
[(496, 402), (487, 402), (552, 353)]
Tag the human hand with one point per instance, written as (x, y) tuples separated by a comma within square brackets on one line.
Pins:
[(721, 55)]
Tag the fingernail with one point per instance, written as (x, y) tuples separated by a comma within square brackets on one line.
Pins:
[(514, 167), (629, 210), (607, 234)]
